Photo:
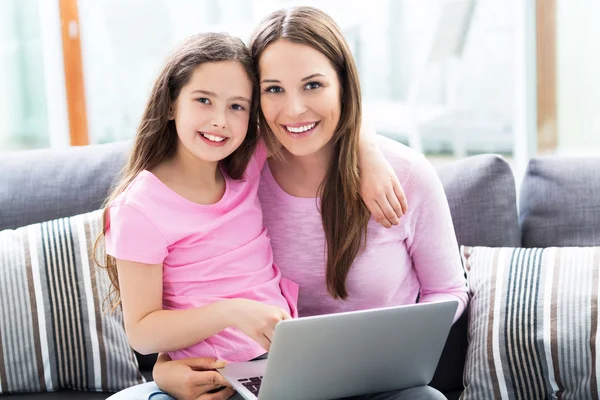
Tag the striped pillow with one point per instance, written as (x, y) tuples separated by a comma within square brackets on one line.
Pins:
[(533, 323), (53, 331)]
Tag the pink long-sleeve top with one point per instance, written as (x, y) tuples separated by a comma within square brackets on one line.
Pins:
[(417, 259)]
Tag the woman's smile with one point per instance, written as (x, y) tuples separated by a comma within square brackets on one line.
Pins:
[(301, 130)]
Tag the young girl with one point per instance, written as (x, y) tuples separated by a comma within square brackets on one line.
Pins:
[(184, 227)]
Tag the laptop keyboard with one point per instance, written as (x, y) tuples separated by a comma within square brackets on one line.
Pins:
[(252, 384)]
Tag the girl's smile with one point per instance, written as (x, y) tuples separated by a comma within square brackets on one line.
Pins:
[(213, 139)]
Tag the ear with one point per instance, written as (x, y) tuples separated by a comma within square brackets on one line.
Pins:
[(171, 113)]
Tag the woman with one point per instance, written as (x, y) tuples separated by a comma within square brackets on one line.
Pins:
[(311, 106)]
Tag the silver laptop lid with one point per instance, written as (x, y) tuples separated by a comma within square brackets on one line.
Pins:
[(340, 355)]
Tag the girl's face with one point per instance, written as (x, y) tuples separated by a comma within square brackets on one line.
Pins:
[(300, 96), (212, 111)]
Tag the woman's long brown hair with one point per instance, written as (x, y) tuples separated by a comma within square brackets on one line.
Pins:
[(156, 137), (343, 212)]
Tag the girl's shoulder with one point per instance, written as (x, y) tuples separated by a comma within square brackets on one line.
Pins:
[(142, 186), (145, 193)]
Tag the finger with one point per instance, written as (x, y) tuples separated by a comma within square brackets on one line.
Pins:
[(395, 203), (206, 390), (267, 342), (262, 340), (209, 378), (269, 334), (220, 395), (383, 220), (203, 364), (373, 207), (388, 209), (401, 196), (285, 316)]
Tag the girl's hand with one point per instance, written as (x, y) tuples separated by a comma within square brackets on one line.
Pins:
[(380, 188), (256, 320), (191, 378)]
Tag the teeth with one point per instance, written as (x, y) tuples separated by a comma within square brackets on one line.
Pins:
[(300, 129), (212, 138)]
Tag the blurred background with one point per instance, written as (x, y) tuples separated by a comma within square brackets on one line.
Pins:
[(449, 77)]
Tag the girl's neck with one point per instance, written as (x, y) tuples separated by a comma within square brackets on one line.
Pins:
[(194, 170), (196, 180), (302, 176)]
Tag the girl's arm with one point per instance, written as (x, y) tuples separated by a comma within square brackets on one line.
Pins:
[(380, 188), (151, 329)]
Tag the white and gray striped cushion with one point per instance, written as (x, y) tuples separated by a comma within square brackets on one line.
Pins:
[(54, 333), (533, 323)]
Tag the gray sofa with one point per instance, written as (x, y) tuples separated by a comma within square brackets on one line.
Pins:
[(559, 206)]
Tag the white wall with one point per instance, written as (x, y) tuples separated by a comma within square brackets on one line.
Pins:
[(578, 76)]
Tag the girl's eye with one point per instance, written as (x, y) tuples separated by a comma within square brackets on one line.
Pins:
[(203, 100), (274, 89), (237, 107), (312, 85)]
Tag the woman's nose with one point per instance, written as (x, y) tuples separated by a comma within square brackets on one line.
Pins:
[(295, 106)]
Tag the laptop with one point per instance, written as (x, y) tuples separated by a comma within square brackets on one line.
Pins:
[(347, 354)]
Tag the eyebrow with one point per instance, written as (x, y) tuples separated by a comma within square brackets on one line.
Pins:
[(303, 79), (213, 94)]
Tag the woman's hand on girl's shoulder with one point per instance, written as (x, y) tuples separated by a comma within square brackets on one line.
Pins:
[(381, 191), (192, 378)]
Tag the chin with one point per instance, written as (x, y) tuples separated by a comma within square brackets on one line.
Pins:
[(301, 151)]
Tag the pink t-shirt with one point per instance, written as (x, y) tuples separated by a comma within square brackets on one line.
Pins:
[(209, 252), (419, 256)]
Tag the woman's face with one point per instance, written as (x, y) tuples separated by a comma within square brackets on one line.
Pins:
[(300, 96)]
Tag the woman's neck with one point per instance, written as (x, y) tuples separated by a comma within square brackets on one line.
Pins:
[(302, 176)]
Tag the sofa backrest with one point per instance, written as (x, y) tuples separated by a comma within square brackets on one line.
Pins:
[(42, 185), (559, 202)]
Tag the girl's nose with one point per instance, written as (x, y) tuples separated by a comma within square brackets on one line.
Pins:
[(218, 120)]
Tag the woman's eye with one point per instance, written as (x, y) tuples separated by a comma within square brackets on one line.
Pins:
[(312, 85), (203, 100), (274, 89), (237, 107)]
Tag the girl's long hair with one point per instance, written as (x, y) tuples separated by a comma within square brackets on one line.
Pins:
[(156, 137), (343, 212)]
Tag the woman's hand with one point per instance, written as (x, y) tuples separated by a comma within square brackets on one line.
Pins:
[(256, 320), (380, 188), (191, 378)]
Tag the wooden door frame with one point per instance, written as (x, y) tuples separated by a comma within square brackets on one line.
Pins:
[(547, 102), (73, 65)]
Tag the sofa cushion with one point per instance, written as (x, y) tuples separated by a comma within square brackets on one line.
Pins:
[(482, 196), (560, 202), (40, 185), (533, 323), (54, 333), (482, 199)]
